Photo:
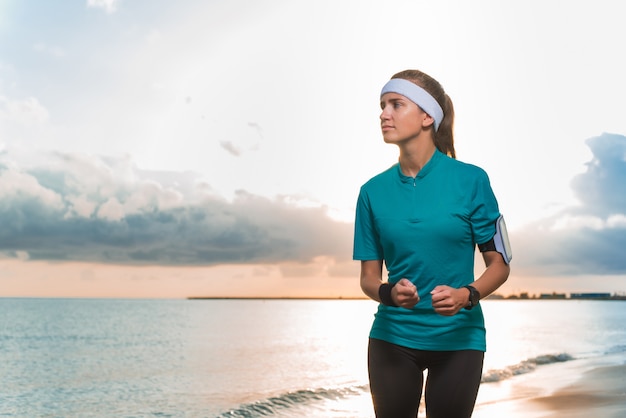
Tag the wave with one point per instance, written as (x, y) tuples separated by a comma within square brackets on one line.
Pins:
[(287, 402), (526, 366), (290, 400), (616, 349)]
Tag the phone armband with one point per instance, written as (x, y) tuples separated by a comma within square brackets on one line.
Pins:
[(500, 242)]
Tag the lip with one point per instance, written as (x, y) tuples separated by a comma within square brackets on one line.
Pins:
[(386, 128)]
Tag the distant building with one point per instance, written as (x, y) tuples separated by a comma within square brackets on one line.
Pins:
[(590, 295), (552, 296)]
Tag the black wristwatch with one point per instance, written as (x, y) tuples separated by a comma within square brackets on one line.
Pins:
[(474, 297)]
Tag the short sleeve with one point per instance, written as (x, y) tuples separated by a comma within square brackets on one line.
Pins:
[(485, 212), (366, 240)]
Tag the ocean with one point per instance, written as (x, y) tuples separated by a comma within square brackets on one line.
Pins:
[(260, 358)]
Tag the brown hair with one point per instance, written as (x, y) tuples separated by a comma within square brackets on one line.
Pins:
[(444, 136)]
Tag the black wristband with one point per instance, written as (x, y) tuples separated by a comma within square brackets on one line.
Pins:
[(384, 293)]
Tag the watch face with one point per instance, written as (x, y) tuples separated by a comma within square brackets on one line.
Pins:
[(474, 296)]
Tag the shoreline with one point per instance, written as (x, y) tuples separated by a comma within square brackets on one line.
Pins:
[(583, 390), (599, 392)]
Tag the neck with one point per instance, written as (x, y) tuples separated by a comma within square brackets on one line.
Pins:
[(413, 159)]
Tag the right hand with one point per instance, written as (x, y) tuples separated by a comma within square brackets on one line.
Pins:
[(404, 293)]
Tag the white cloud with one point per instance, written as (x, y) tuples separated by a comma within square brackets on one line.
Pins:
[(25, 111), (569, 222), (111, 210), (109, 6), (22, 255), (17, 185), (80, 206), (582, 222), (616, 221), (19, 255), (150, 195)]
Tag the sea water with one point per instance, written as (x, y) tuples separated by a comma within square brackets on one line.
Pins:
[(253, 358)]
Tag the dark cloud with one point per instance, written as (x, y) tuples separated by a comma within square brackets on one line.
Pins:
[(107, 210), (80, 208), (589, 238)]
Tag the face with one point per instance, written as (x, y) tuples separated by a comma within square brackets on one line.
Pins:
[(401, 120)]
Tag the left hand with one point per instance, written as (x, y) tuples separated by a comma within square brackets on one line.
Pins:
[(448, 301)]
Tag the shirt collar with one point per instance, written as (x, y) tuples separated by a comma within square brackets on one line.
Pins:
[(430, 165)]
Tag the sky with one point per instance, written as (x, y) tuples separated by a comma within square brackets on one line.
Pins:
[(160, 149)]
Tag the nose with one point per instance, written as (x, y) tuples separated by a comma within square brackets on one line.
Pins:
[(384, 114)]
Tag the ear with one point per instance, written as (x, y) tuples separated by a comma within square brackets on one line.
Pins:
[(428, 121)]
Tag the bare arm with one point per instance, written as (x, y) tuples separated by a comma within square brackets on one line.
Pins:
[(448, 300), (371, 278), (403, 294), (494, 276)]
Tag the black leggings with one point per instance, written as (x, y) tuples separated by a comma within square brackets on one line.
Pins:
[(397, 376)]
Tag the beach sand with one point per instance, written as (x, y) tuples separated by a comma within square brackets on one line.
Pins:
[(598, 392)]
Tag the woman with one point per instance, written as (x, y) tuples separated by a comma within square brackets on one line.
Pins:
[(423, 218)]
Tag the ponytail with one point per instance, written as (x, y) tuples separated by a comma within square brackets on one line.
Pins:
[(444, 136)]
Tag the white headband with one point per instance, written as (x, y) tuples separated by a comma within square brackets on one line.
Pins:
[(417, 95)]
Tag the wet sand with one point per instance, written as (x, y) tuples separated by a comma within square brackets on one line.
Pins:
[(600, 392), (596, 393)]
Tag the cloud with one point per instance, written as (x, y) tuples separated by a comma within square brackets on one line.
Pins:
[(87, 208), (77, 207), (231, 148), (24, 112), (246, 141), (110, 6), (602, 189), (588, 238)]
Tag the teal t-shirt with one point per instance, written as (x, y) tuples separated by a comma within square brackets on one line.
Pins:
[(425, 229)]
